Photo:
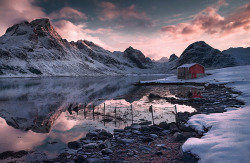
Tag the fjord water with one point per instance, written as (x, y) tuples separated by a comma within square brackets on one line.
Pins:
[(35, 113)]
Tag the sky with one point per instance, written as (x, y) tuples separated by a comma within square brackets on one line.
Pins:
[(158, 28)]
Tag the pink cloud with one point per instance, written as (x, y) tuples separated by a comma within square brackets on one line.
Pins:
[(210, 22), (72, 32), (68, 13), (13, 11), (110, 12)]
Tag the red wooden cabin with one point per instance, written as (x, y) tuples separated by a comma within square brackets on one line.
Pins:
[(190, 71)]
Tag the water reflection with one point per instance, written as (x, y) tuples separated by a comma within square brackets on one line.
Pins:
[(36, 113)]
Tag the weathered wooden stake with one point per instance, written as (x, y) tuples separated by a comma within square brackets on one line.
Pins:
[(176, 115), (132, 114), (104, 114), (93, 112)]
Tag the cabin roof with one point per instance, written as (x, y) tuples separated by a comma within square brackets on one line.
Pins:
[(188, 65)]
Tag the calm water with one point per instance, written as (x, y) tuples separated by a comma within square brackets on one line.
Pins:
[(35, 113)]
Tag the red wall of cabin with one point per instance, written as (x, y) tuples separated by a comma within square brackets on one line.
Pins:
[(197, 69)]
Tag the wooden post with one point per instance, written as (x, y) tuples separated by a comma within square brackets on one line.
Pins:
[(176, 115), (93, 112), (104, 114), (115, 116), (132, 114), (152, 112)]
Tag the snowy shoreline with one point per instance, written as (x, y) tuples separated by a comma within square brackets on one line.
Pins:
[(228, 137)]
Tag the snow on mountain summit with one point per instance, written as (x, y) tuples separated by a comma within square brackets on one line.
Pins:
[(35, 49)]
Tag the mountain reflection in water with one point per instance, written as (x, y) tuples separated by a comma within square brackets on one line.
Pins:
[(35, 112)]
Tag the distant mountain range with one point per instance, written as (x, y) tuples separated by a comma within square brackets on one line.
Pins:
[(36, 49)]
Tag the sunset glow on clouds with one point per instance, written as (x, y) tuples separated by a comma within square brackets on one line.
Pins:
[(157, 28)]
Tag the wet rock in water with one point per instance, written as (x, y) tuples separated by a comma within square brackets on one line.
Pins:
[(127, 141), (80, 159), (73, 145), (151, 95), (90, 146), (179, 137), (158, 153), (107, 151), (145, 123), (164, 125)]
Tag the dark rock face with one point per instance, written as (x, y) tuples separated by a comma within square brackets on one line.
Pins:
[(204, 54), (137, 57), (173, 57), (74, 145)]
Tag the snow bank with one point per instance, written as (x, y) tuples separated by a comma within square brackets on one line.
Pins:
[(228, 140)]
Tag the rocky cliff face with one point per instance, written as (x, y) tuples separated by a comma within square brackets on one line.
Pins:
[(240, 54), (202, 53), (36, 49)]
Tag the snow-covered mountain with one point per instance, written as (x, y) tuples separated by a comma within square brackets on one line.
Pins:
[(36, 49), (240, 54), (202, 53), (162, 60)]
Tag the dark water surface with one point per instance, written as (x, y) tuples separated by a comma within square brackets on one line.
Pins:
[(35, 113)]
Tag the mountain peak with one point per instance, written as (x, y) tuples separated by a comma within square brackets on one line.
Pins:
[(44, 22)]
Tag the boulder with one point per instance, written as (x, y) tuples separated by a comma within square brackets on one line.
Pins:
[(73, 145)]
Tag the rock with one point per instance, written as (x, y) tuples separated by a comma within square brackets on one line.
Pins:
[(145, 148), (107, 151), (136, 127), (179, 137), (94, 160), (92, 134), (151, 95), (158, 153), (127, 141), (90, 146), (145, 129), (186, 128), (145, 123), (102, 146), (155, 128), (80, 159), (173, 128), (136, 132), (164, 125), (73, 145), (147, 139), (118, 130), (154, 136), (103, 135)]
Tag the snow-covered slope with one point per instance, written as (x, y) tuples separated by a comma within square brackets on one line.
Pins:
[(36, 49), (228, 139), (241, 55)]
